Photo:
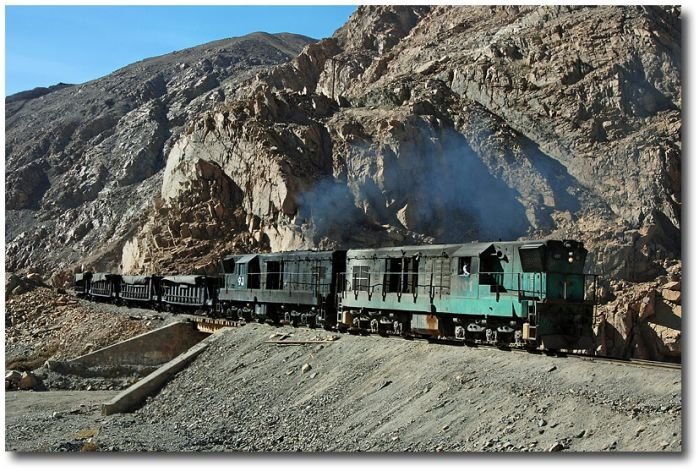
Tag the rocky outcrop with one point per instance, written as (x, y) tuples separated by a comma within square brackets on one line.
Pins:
[(18, 284), (189, 233), (444, 126), (644, 320), (84, 162)]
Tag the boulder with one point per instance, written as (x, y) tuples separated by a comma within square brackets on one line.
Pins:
[(672, 285), (29, 381), (12, 378), (671, 295), (19, 289), (646, 307), (11, 282), (556, 447), (35, 278)]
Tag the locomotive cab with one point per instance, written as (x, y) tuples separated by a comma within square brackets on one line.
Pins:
[(561, 296), (242, 272)]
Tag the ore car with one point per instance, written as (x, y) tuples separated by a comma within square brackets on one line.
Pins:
[(104, 286), (298, 287), (81, 284), (188, 292), (143, 290)]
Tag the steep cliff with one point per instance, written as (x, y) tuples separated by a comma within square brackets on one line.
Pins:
[(465, 123)]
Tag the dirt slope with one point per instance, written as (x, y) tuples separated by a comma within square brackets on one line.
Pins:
[(376, 394)]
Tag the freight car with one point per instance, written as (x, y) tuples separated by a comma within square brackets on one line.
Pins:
[(81, 285), (140, 290), (104, 286), (188, 292)]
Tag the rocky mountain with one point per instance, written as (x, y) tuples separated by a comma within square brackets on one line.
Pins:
[(410, 124), (83, 162), (453, 124)]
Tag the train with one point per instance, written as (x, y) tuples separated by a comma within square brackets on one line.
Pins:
[(530, 293)]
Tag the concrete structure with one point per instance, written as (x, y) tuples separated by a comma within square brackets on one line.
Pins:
[(151, 349), (132, 398)]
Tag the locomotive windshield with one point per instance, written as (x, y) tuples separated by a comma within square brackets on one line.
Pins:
[(532, 257)]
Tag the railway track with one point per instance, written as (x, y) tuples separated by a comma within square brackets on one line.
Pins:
[(212, 324), (563, 354), (633, 362)]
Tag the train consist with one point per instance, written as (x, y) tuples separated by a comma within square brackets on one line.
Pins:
[(524, 293)]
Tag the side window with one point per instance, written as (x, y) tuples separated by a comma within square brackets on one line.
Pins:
[(360, 278), (464, 267), (275, 272)]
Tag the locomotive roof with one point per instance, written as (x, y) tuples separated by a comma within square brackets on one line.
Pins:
[(473, 249), (460, 250), (300, 254), (245, 258)]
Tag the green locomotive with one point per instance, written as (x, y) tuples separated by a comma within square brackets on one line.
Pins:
[(496, 292)]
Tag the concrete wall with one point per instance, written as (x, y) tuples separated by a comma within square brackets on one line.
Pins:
[(150, 349), (133, 397)]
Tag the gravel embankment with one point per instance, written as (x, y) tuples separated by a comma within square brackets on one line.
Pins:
[(371, 394)]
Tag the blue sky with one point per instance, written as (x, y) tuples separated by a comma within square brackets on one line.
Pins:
[(45, 45)]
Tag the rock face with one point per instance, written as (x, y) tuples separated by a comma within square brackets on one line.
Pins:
[(425, 124), (644, 320), (85, 161), (434, 124)]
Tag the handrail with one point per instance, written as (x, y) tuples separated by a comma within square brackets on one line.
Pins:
[(524, 284)]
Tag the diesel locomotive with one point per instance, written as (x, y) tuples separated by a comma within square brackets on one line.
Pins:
[(523, 293)]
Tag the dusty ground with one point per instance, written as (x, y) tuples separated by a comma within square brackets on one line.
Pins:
[(367, 394)]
